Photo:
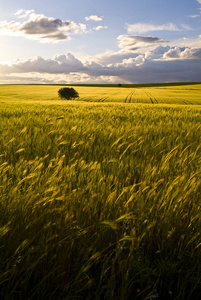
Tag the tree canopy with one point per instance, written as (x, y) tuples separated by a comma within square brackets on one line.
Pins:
[(68, 93)]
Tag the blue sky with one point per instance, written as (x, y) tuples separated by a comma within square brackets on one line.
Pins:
[(107, 41)]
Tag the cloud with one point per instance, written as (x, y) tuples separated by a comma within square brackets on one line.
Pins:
[(143, 70), (112, 58), (99, 28), (183, 53), (194, 16), (133, 42), (158, 64), (157, 52), (191, 42), (60, 64), (135, 61), (144, 27), (94, 18), (24, 79), (21, 13), (199, 1), (42, 27)]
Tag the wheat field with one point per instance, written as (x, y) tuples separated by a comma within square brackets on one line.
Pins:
[(100, 198), (188, 94)]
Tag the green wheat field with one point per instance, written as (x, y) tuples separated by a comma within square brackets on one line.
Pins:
[(100, 197)]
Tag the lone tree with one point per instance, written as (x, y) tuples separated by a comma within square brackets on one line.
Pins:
[(68, 93)]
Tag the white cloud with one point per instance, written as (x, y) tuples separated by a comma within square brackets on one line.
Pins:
[(161, 64), (59, 64), (194, 16), (94, 18), (183, 53), (144, 27), (157, 53), (135, 61), (186, 42), (199, 1), (21, 13), (42, 27), (133, 42), (99, 28), (112, 58)]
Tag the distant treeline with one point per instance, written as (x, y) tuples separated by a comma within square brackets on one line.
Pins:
[(137, 85)]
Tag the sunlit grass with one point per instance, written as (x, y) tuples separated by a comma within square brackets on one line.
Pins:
[(182, 95), (99, 200)]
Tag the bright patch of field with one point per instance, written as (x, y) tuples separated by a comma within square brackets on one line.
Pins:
[(154, 95), (99, 200), (182, 95)]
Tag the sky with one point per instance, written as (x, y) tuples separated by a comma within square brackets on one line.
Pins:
[(107, 41)]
